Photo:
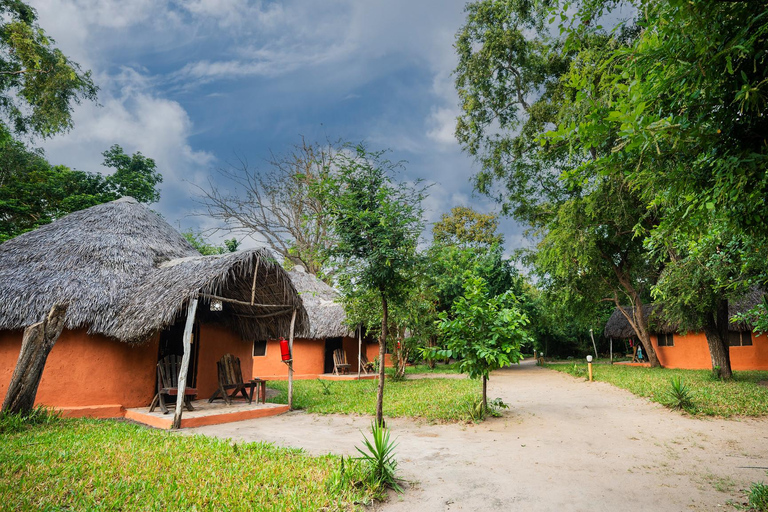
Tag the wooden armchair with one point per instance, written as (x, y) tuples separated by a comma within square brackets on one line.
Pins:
[(340, 364), (365, 365), (231, 378), (168, 383)]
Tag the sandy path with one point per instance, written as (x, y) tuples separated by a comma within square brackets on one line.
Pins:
[(565, 444)]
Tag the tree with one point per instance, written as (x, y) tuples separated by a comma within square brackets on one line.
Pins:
[(483, 332), (134, 176), (466, 227), (277, 206), (688, 107), (515, 82), (38, 83), (376, 223), (33, 192), (206, 248)]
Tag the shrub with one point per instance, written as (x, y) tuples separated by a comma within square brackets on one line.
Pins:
[(758, 497), (680, 394), (379, 456)]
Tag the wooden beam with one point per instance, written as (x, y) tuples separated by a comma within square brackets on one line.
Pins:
[(243, 303), (253, 286), (278, 313), (290, 364), (187, 342)]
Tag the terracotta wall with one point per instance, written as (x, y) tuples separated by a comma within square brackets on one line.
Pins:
[(84, 370), (691, 352), (215, 341)]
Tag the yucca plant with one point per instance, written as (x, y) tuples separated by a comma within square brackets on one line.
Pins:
[(680, 394), (379, 455), (758, 497)]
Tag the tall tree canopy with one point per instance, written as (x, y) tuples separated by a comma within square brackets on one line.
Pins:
[(38, 84), (466, 227)]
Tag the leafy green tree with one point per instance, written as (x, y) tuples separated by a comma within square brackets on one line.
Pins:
[(134, 175), (38, 83), (206, 248), (483, 332), (465, 227), (377, 223)]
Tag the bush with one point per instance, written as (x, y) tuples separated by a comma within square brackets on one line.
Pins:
[(758, 497), (379, 456), (680, 394)]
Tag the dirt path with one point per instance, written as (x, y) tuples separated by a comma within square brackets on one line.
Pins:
[(564, 445)]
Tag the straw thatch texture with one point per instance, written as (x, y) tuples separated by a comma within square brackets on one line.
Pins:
[(127, 274), (326, 314), (618, 326)]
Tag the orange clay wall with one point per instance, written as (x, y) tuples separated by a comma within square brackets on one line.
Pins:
[(691, 352), (308, 358), (215, 341), (84, 370)]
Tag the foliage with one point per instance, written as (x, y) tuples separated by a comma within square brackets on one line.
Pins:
[(741, 396), (279, 205), (379, 455), (33, 192), (106, 465), (680, 394), (758, 497), (483, 332), (464, 227), (205, 248), (11, 423), (38, 84), (437, 400), (134, 175)]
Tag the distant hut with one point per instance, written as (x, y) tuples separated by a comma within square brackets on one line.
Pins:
[(129, 276), (313, 353), (689, 350)]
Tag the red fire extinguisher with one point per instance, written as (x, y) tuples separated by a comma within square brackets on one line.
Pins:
[(285, 350)]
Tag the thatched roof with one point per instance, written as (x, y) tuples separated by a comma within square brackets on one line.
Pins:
[(128, 274), (326, 314), (618, 326)]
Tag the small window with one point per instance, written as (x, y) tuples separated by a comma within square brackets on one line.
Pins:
[(665, 340), (740, 339), (259, 348)]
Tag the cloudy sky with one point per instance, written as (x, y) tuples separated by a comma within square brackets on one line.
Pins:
[(193, 83)]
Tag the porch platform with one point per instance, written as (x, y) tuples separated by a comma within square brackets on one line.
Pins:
[(206, 413), (345, 376)]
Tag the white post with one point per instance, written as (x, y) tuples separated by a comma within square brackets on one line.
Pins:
[(187, 342), (359, 348), (593, 343), (290, 363)]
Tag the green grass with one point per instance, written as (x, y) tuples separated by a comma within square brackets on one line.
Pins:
[(439, 368), (80, 464), (441, 400), (740, 397)]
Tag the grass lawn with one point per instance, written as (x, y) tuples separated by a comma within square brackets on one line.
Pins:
[(81, 464), (740, 397), (430, 399), (439, 368)]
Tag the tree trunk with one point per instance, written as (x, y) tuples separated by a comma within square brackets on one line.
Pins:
[(716, 332), (382, 353), (485, 394), (640, 326), (431, 343), (36, 344)]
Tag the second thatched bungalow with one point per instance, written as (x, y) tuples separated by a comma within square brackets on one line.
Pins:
[(689, 350), (313, 353), (129, 277)]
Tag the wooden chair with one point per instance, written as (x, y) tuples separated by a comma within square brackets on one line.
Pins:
[(340, 364), (168, 384), (231, 378), (366, 365)]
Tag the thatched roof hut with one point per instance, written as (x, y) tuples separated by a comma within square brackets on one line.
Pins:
[(618, 326), (326, 315), (128, 274)]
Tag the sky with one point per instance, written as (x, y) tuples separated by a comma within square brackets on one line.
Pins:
[(195, 84)]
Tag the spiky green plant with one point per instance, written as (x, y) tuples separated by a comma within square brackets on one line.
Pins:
[(680, 394), (758, 497), (379, 455)]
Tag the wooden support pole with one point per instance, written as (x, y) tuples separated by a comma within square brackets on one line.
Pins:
[(290, 363), (611, 350), (187, 342), (359, 348), (253, 286)]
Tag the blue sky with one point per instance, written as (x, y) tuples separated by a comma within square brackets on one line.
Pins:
[(192, 83)]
